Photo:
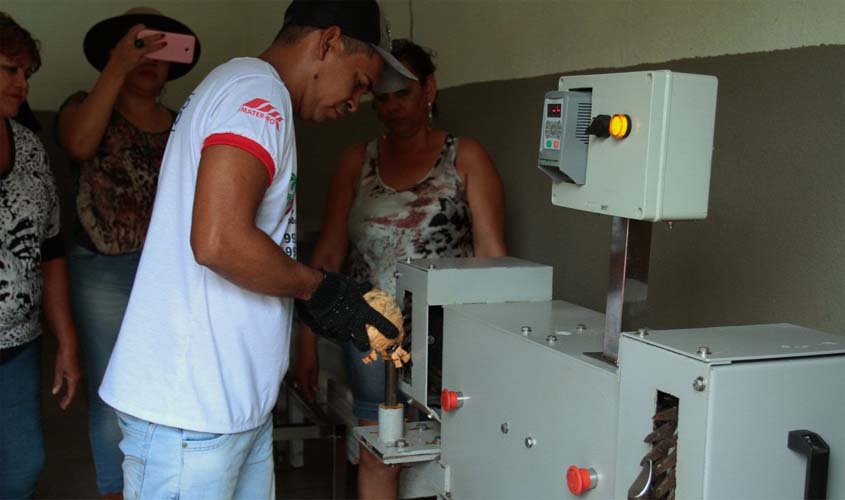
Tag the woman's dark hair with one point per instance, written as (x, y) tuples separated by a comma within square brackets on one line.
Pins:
[(418, 58), (15, 41)]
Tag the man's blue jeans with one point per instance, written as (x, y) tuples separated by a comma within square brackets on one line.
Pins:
[(165, 462)]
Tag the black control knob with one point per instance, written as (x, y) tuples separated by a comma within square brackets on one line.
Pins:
[(600, 127)]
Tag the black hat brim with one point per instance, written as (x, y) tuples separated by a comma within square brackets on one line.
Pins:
[(103, 36)]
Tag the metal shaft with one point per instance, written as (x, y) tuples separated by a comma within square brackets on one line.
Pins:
[(391, 383), (627, 291)]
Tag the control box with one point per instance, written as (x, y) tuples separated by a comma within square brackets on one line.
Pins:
[(648, 149)]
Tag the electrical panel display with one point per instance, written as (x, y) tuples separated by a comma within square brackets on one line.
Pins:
[(563, 141)]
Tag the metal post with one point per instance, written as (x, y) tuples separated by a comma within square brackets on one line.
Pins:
[(627, 291), (391, 386)]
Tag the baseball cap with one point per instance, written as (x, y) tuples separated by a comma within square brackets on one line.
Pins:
[(359, 19)]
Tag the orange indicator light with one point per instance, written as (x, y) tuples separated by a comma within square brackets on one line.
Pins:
[(620, 126)]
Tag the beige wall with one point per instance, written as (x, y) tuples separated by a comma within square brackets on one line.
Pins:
[(479, 40)]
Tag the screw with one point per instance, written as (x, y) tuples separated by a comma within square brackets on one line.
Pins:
[(551, 340), (704, 351), (669, 223), (526, 330), (698, 384), (580, 328), (432, 266), (530, 442), (504, 428), (642, 332), (407, 260)]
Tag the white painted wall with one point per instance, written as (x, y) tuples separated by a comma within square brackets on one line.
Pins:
[(477, 40)]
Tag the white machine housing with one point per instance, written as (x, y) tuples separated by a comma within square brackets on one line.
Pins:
[(741, 390), (759, 383), (537, 402), (439, 282), (535, 398)]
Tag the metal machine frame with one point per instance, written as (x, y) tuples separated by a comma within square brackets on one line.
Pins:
[(546, 399)]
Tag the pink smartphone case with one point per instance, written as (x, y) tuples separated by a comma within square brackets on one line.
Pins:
[(179, 48)]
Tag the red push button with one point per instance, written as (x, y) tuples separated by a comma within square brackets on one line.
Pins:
[(580, 480), (450, 400)]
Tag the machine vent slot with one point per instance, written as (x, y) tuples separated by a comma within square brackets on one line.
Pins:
[(664, 447), (582, 122), (656, 480), (435, 355)]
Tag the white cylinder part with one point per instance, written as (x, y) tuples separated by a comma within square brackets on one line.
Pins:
[(391, 423)]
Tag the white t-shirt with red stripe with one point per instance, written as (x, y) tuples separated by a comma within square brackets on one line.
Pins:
[(196, 351)]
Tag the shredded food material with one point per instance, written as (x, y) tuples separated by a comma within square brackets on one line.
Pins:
[(387, 349)]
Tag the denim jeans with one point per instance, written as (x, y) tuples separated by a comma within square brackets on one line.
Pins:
[(99, 288), (366, 381), (165, 462), (21, 441)]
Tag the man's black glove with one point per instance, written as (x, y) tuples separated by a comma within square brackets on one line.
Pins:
[(337, 309)]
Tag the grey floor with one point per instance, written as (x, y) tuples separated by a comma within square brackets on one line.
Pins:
[(69, 470)]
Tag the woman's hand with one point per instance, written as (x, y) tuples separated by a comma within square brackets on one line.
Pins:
[(66, 371), (126, 55), (306, 368)]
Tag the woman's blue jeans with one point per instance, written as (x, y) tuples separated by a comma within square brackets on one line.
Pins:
[(100, 287), (21, 441)]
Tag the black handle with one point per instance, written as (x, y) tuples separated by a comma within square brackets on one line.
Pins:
[(817, 452)]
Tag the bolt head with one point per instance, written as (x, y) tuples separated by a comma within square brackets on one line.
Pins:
[(504, 428), (530, 442)]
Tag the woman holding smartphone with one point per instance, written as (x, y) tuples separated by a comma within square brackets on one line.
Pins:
[(115, 135)]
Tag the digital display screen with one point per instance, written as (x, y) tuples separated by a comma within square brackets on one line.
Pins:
[(553, 110)]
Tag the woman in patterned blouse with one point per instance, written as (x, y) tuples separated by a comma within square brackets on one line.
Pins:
[(115, 134), (33, 275), (415, 192)]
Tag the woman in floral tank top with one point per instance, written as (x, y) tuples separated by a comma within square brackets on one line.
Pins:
[(115, 134), (414, 192)]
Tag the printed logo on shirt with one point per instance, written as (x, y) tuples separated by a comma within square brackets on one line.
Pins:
[(181, 110), (262, 109), (291, 194)]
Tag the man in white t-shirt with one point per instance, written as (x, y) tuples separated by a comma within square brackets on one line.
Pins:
[(204, 343)]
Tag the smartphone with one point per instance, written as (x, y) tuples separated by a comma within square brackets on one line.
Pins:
[(179, 48)]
